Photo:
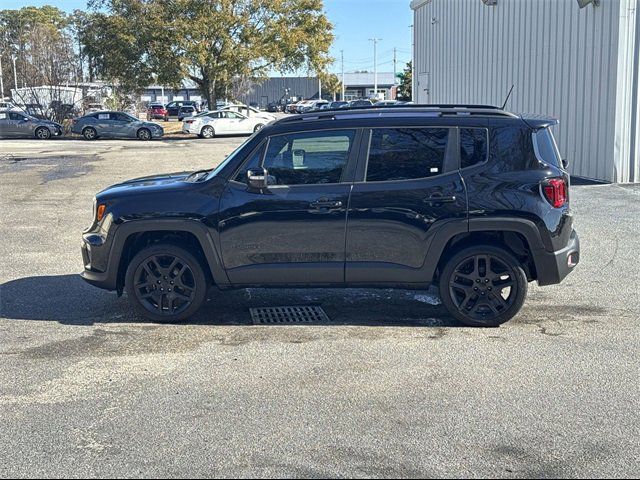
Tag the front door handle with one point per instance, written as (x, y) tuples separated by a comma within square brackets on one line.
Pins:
[(326, 203), (437, 199)]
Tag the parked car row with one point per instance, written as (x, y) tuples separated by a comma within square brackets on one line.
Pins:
[(112, 124), (306, 106)]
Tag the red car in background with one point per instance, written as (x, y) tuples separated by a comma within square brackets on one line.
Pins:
[(157, 110)]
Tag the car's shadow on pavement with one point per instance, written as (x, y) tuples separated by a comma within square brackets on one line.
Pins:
[(67, 299)]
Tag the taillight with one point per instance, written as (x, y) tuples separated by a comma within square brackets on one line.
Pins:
[(555, 191), (189, 121)]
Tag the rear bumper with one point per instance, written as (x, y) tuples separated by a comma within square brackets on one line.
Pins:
[(553, 267)]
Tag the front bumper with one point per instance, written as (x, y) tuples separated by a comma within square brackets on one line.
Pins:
[(553, 267), (98, 271)]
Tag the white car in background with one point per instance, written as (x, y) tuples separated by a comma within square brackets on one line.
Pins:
[(222, 122), (249, 112), (7, 105)]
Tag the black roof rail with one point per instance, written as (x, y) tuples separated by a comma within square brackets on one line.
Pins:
[(468, 106), (426, 109)]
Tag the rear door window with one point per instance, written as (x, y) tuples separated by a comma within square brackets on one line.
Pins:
[(406, 153)]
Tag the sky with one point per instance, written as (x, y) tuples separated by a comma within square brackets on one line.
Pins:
[(355, 22)]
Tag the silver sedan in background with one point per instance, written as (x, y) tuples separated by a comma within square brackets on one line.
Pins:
[(115, 125), (14, 124)]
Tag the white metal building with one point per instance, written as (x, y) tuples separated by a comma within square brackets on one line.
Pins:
[(580, 65)]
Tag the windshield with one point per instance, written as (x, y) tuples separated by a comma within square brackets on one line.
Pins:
[(226, 161)]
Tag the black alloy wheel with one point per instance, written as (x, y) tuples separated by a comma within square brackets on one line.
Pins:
[(166, 283), (483, 286)]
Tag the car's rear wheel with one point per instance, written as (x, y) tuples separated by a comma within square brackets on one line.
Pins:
[(43, 133), (165, 283), (483, 286), (89, 133), (208, 132), (258, 127), (144, 134)]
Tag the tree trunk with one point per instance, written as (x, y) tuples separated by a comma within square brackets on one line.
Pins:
[(210, 89)]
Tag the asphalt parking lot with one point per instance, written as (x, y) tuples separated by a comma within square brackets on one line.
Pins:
[(392, 387)]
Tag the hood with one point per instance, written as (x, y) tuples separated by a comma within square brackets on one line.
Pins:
[(153, 183)]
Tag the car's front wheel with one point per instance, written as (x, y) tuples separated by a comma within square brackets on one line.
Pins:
[(483, 286), (144, 134), (165, 283), (208, 132), (89, 133), (43, 133)]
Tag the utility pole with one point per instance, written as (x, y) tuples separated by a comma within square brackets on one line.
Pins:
[(375, 65), (15, 75), (319, 88), (1, 81), (395, 64), (342, 61), (414, 78)]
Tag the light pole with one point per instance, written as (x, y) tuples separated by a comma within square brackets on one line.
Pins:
[(342, 61), (1, 81), (375, 65), (413, 64), (15, 75)]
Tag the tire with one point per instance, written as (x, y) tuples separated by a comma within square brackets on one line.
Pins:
[(89, 133), (155, 289), (258, 127), (207, 132), (144, 134), (43, 133), (470, 280)]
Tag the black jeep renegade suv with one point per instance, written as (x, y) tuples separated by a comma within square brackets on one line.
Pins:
[(472, 199)]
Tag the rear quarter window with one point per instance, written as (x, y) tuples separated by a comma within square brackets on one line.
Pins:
[(511, 149), (546, 148)]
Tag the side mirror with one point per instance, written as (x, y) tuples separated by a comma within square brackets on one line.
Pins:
[(257, 178), (565, 163)]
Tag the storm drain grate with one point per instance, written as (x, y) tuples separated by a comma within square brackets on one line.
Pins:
[(287, 315)]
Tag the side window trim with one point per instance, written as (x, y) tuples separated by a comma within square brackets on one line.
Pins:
[(450, 164)]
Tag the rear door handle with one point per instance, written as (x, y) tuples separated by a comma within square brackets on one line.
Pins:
[(437, 199), (326, 203)]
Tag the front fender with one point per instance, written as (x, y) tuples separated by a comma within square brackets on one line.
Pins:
[(108, 279)]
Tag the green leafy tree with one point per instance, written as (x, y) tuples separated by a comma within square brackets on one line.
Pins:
[(331, 83), (210, 42), (404, 89)]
